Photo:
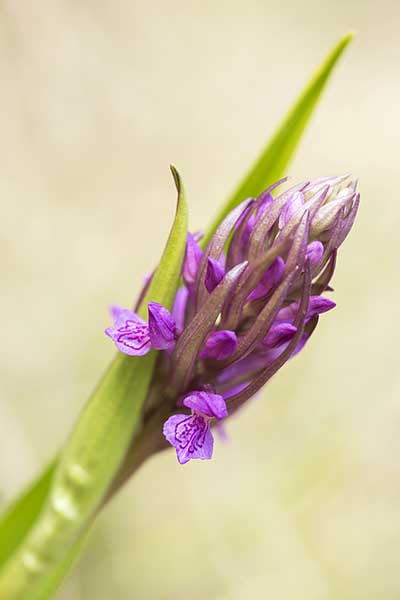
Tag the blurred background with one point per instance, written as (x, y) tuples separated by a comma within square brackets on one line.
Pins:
[(97, 98)]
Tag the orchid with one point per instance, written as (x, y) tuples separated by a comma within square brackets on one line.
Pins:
[(134, 337), (221, 313), (251, 301)]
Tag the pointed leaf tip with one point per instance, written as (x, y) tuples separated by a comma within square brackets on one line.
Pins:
[(177, 178), (166, 278), (279, 151), (348, 37)]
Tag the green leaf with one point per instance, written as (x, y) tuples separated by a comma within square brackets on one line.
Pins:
[(20, 516), (52, 582), (275, 158), (166, 279), (97, 445)]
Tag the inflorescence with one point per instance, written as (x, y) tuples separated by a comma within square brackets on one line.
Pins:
[(247, 304)]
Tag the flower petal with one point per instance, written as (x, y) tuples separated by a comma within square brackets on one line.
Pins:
[(214, 274), (314, 252), (179, 308), (220, 345), (190, 436), (279, 334), (130, 333), (319, 305), (192, 260), (119, 315), (316, 306), (162, 327), (206, 403)]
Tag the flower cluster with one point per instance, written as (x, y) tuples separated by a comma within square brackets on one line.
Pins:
[(248, 303)]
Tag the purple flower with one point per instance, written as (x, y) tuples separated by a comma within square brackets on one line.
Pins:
[(130, 333), (179, 308), (249, 302), (279, 334), (314, 252), (190, 434), (192, 260), (135, 337), (316, 306), (162, 327), (269, 279), (214, 274), (219, 345)]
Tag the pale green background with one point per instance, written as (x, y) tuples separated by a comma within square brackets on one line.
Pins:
[(97, 97)]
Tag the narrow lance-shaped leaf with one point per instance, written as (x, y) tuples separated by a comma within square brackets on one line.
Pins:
[(21, 515), (277, 154), (97, 445), (49, 585)]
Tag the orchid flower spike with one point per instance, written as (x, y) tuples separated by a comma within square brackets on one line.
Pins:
[(248, 303)]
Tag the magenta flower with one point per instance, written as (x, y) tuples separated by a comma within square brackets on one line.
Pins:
[(135, 337), (191, 435), (219, 345), (248, 303), (214, 274), (193, 257)]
